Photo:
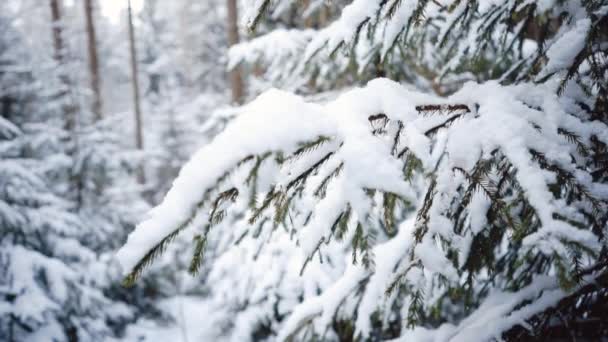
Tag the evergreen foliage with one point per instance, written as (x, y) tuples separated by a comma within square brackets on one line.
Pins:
[(53, 283), (68, 195), (393, 213)]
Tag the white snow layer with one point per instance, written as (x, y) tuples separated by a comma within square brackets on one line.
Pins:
[(278, 121), (512, 120)]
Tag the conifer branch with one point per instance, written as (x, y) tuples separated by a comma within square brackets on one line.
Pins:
[(199, 249)]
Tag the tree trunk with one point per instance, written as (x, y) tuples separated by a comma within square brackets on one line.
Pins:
[(139, 141), (323, 15), (308, 21), (93, 60), (56, 27), (70, 110), (236, 80)]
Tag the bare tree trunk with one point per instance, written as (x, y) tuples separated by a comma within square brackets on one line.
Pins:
[(139, 140), (60, 57), (308, 21), (236, 80), (56, 27), (323, 15), (93, 60), (70, 110)]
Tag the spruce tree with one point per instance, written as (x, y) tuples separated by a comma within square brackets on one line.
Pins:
[(466, 211), (52, 284)]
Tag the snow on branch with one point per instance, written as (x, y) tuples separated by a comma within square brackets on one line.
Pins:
[(495, 194), (280, 63), (449, 40), (482, 158)]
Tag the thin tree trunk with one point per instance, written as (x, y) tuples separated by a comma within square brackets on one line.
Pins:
[(93, 60), (56, 28), (60, 57), (308, 21), (323, 15), (139, 140), (70, 110), (236, 80)]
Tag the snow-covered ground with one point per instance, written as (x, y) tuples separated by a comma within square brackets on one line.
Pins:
[(194, 322)]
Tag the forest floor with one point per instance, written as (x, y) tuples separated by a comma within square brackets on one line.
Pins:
[(193, 322)]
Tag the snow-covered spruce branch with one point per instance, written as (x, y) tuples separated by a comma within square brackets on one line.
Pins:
[(400, 15), (282, 65), (392, 213), (438, 41), (501, 171)]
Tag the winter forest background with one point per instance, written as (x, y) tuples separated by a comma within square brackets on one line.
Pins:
[(303, 170)]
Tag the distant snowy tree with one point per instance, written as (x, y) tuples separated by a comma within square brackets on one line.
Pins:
[(475, 213), (69, 195), (292, 27), (52, 282), (184, 84)]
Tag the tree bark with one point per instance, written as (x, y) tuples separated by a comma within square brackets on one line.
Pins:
[(139, 141), (308, 21), (93, 60), (56, 28), (236, 80), (70, 109)]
